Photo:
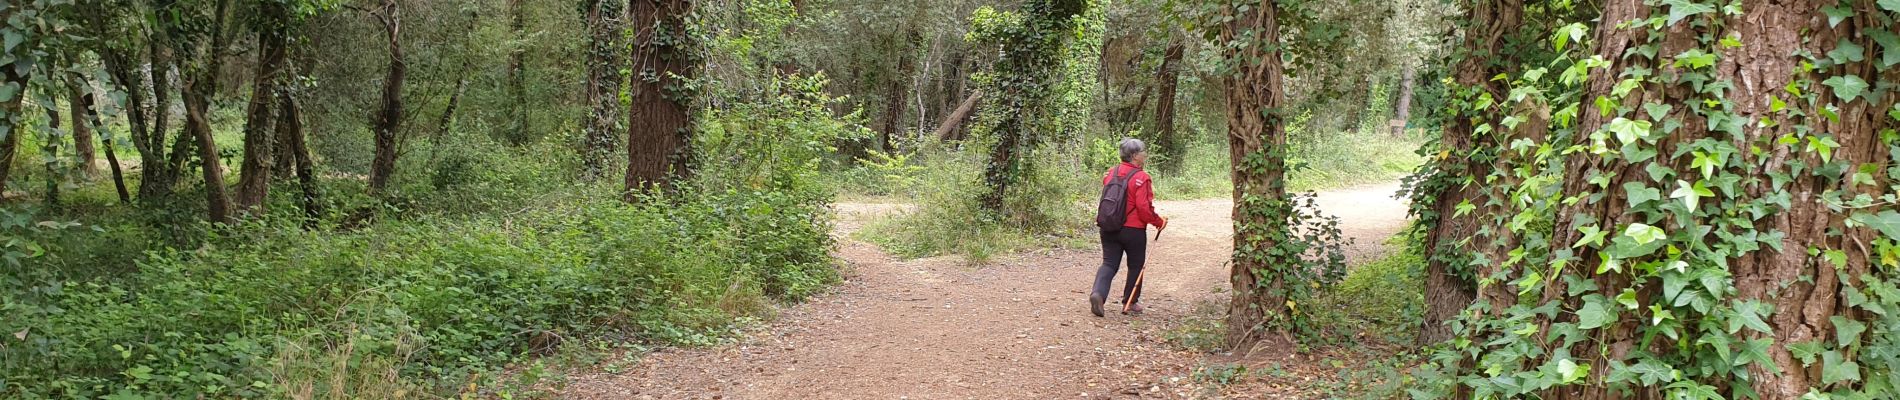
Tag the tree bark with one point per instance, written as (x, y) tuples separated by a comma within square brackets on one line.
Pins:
[(603, 85), (895, 91), (1402, 111), (290, 128), (389, 115), (517, 77), (659, 121), (950, 127), (49, 149), (79, 106), (86, 107), (260, 145), (1256, 136), (1167, 81), (1448, 242), (16, 81), (200, 85)]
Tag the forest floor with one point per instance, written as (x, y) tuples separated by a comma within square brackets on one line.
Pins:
[(1018, 327)]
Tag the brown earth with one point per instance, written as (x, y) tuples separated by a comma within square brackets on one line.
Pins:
[(1018, 328)]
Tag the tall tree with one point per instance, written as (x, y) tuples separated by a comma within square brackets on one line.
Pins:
[(389, 112), (1025, 79), (200, 72), (603, 83), (78, 106), (896, 87), (260, 145), (658, 123), (12, 93), (1402, 107), (1456, 180), (87, 106), (1167, 81), (1256, 138)]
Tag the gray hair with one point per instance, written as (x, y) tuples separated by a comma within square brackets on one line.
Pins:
[(1130, 147)]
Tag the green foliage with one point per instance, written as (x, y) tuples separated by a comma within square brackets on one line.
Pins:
[(1378, 299)]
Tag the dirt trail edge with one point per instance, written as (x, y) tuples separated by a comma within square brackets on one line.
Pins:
[(1018, 328)]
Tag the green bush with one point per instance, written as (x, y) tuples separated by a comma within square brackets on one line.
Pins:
[(468, 275)]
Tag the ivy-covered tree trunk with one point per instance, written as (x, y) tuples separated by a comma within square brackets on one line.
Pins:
[(1458, 171), (260, 144), (389, 113), (1167, 80), (895, 90), (87, 106), (603, 84), (290, 129), (660, 119), (1256, 139), (201, 84), (1025, 77), (14, 91), (78, 106)]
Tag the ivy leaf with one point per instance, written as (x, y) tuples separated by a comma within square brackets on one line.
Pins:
[(1890, 5), (1571, 371), (1679, 9), (1643, 233), (13, 38), (1887, 221), (1627, 299), (1695, 59), (1756, 351), (1690, 194), (1595, 313), (1839, 12), (1720, 342), (1806, 351), (1846, 51), (1748, 313), (1834, 368), (1628, 131), (1847, 331), (1889, 46), (1639, 193), (1846, 87), (1568, 33)]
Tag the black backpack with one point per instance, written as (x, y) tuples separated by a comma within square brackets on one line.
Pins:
[(1113, 212)]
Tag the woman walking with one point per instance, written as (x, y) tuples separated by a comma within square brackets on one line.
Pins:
[(1131, 237)]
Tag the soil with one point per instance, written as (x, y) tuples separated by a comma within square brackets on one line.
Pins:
[(1018, 328)]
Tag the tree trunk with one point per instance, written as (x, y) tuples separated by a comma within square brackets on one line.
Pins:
[(79, 106), (290, 128), (16, 81), (659, 121), (517, 77), (1167, 81), (1256, 136), (260, 145), (389, 115), (1449, 284), (895, 92), (1402, 111), (49, 150), (951, 124), (603, 85), (86, 107), (198, 91), (1025, 74)]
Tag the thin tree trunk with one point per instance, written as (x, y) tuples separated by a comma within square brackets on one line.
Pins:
[(290, 128), (603, 85), (1402, 111), (949, 128), (86, 107), (517, 77), (199, 87), (389, 114), (1167, 81), (1256, 137), (49, 150), (894, 93), (16, 81), (260, 146), (79, 105), (659, 119)]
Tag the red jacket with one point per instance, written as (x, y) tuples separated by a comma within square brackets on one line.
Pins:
[(1141, 196)]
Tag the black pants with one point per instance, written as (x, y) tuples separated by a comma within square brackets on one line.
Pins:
[(1133, 242)]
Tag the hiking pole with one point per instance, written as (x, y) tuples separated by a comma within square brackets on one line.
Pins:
[(1130, 301)]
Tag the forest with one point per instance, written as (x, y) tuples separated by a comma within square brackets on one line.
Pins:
[(1422, 199)]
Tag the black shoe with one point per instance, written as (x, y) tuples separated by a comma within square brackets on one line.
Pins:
[(1095, 304)]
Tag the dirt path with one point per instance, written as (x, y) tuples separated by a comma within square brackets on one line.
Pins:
[(1018, 328)]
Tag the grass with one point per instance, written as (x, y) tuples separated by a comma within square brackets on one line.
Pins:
[(1318, 162)]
